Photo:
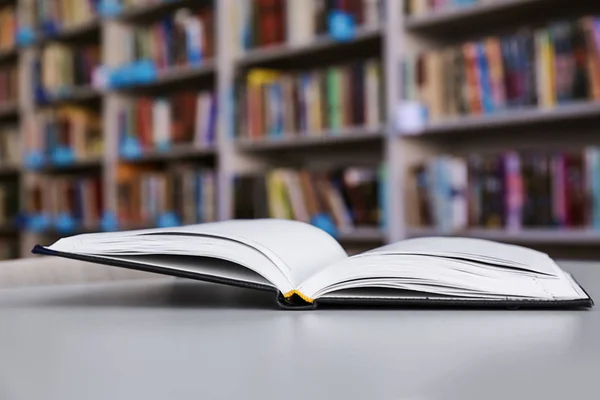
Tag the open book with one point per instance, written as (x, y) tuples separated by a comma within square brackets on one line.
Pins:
[(307, 266)]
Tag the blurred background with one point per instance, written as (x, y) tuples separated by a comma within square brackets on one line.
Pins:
[(376, 120)]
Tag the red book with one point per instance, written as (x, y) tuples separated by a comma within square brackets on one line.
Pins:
[(271, 22), (143, 110)]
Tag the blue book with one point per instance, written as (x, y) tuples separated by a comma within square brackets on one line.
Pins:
[(199, 198), (212, 124), (303, 117), (485, 82)]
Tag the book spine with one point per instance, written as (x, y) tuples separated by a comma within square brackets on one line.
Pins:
[(514, 191)]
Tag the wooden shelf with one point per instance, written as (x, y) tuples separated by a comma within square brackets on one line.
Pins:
[(8, 54), (321, 44), (345, 136), (80, 94), (77, 166), (175, 153), (9, 110), (153, 11), (176, 77), (77, 231), (547, 236), (494, 15), (8, 229), (465, 13), (79, 31), (532, 116), (362, 235), (9, 169)]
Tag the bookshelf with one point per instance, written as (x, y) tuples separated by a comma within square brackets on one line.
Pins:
[(542, 132), (397, 37)]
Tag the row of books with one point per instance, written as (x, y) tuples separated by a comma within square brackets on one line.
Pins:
[(9, 84), (129, 4), (512, 190), (269, 22), (419, 7), (8, 26), (55, 15), (543, 68), (311, 103), (184, 117), (72, 129), (183, 194), (62, 67), (184, 38), (9, 202), (347, 198), (10, 147), (68, 202)]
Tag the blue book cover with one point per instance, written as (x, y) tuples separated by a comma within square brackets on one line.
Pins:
[(212, 123), (304, 84), (443, 194), (168, 27), (199, 198), (485, 83), (278, 110)]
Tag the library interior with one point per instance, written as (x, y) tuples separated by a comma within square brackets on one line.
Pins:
[(375, 120)]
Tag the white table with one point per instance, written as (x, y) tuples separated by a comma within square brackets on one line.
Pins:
[(165, 339)]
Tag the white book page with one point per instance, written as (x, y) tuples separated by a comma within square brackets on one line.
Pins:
[(299, 249), (296, 249), (474, 249), (443, 276)]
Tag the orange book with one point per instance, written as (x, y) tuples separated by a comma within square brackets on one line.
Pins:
[(472, 76), (493, 50), (593, 56)]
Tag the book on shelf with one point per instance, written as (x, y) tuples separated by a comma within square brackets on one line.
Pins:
[(68, 202), (511, 191), (274, 104), (420, 7), (9, 202), (8, 27), (532, 68), (305, 267), (146, 193), (61, 68), (185, 38), (349, 198), (10, 146), (73, 129), (188, 117), (263, 23), (9, 84), (56, 15)]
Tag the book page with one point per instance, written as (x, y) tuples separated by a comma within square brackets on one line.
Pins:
[(439, 275), (285, 252), (484, 251), (299, 249)]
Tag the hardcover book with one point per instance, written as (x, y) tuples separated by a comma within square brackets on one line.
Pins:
[(306, 266)]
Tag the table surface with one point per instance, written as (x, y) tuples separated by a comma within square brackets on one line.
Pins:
[(166, 339)]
